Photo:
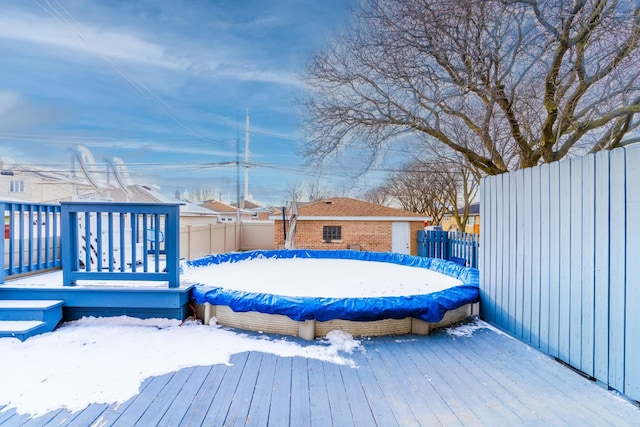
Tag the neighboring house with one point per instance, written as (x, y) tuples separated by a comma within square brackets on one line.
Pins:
[(26, 183), (229, 213), (344, 223), (448, 223), (224, 212), (256, 211)]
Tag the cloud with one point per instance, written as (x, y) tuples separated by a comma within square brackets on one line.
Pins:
[(123, 45), (9, 100), (256, 74), (17, 113), (74, 36)]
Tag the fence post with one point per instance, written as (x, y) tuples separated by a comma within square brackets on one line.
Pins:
[(173, 247), (189, 241), (422, 241), (68, 243), (4, 207)]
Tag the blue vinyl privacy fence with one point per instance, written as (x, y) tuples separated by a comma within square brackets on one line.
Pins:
[(560, 262), (450, 245)]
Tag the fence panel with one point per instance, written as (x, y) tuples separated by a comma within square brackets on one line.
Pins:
[(632, 253), (617, 282), (535, 270), (602, 262), (587, 266), (560, 262), (113, 241), (449, 245), (545, 259), (574, 326), (31, 239)]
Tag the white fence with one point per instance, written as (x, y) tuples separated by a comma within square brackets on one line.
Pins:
[(197, 240), (560, 262)]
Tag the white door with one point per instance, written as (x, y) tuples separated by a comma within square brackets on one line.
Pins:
[(400, 234)]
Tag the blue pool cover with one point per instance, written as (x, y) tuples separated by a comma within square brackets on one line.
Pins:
[(429, 307)]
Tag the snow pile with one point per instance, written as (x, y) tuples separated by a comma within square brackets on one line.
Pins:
[(466, 329)]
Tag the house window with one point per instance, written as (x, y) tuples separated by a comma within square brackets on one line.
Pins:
[(16, 186), (471, 220), (331, 233)]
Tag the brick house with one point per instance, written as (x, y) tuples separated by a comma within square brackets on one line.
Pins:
[(344, 223)]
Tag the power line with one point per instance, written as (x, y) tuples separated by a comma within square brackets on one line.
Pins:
[(87, 140)]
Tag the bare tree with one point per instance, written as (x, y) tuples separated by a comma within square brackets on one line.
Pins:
[(316, 191), (294, 193), (434, 188), (203, 194), (379, 196), (508, 84), (310, 191)]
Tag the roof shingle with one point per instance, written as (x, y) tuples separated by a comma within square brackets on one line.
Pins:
[(347, 207)]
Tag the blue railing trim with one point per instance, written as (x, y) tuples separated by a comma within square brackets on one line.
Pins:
[(449, 244), (72, 271), (37, 258)]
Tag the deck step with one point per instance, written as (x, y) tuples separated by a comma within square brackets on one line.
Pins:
[(21, 329), (24, 318)]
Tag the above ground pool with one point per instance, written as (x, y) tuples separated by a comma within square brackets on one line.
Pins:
[(359, 292)]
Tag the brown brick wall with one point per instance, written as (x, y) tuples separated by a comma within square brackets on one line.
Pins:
[(413, 236), (374, 236)]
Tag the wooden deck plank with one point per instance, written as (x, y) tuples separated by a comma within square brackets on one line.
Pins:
[(184, 396), (43, 419), (511, 409), (438, 409), (300, 392), (113, 412), (140, 403), (261, 402), (280, 398), (199, 405), (514, 375), (378, 405), (393, 391), (520, 397), (341, 412), (89, 415), (450, 381), (358, 402), (552, 384), (221, 401), (245, 391), (417, 393), (165, 398), (563, 385), (11, 418), (63, 418), (318, 394)]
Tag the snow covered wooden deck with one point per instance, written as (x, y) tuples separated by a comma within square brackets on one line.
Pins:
[(484, 379)]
